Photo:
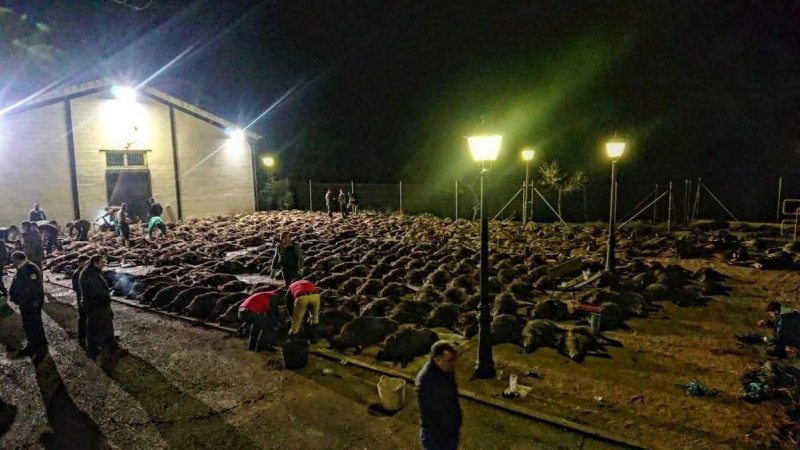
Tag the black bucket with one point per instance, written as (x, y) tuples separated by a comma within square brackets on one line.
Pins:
[(295, 354)]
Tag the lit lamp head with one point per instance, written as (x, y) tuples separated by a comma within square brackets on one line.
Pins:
[(527, 154), (125, 94), (615, 148), (485, 148), (268, 161)]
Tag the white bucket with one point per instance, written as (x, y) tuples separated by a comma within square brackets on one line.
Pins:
[(392, 393)]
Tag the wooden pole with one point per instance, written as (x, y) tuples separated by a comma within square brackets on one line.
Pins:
[(778, 213)]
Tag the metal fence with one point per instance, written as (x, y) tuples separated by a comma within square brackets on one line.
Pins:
[(648, 202)]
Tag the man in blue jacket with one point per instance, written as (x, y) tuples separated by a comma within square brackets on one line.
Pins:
[(440, 412), (785, 324)]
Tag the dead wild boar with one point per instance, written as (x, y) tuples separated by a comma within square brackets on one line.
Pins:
[(550, 309), (445, 315), (507, 328), (202, 306), (225, 302), (378, 308), (332, 321), (540, 333), (410, 312), (405, 345), (165, 296), (364, 331), (231, 315), (183, 299)]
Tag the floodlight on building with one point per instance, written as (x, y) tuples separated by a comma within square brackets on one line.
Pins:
[(126, 94), (268, 161), (234, 133)]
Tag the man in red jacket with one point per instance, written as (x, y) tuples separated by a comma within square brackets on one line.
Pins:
[(306, 297), (259, 312)]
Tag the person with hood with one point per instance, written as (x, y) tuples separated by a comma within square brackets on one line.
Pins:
[(785, 323), (36, 214)]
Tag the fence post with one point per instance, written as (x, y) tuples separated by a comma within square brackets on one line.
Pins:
[(352, 186), (778, 213), (310, 197), (401, 196), (456, 200), (655, 208), (669, 208)]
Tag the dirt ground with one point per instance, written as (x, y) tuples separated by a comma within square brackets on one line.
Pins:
[(187, 387)]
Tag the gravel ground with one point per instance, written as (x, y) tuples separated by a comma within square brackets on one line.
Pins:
[(189, 387)]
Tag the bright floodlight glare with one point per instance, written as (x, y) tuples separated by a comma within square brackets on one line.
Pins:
[(237, 135), (527, 155), (125, 94), (615, 149), (268, 161), (484, 148)]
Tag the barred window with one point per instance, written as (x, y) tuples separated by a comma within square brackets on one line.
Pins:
[(115, 159), (136, 159), (126, 158)]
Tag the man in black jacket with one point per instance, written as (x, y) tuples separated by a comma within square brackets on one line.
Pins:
[(27, 291), (440, 412), (289, 258), (97, 303), (83, 261)]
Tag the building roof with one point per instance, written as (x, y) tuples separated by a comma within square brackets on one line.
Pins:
[(94, 87)]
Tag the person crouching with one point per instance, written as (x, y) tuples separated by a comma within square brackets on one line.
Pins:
[(259, 312), (305, 297)]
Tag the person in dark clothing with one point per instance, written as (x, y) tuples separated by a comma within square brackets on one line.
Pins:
[(785, 323), (329, 199), (27, 291), (79, 229), (123, 224), (260, 315), (440, 412), (156, 210), (3, 262), (97, 303), (342, 203), (289, 258), (32, 244), (352, 203), (83, 320), (36, 214), (154, 222), (49, 232)]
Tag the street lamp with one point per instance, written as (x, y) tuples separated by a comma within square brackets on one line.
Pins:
[(484, 149), (527, 155), (614, 149), (268, 163)]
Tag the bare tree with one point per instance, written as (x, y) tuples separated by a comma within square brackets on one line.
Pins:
[(136, 5), (553, 179)]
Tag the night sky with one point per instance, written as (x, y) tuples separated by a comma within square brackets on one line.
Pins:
[(378, 91)]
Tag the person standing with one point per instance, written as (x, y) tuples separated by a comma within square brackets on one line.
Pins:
[(36, 214), (259, 313), (83, 261), (440, 411), (123, 224), (289, 258), (305, 297), (3, 262), (32, 244), (97, 304), (27, 291), (342, 203), (352, 202), (329, 202)]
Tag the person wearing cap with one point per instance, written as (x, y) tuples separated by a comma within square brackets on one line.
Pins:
[(785, 323), (306, 298), (83, 261), (27, 291), (36, 214), (260, 316), (123, 224)]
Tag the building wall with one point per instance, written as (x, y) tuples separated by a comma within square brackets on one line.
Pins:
[(103, 123), (215, 171), (35, 165)]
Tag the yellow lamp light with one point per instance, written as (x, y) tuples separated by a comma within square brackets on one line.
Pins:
[(268, 161), (527, 155), (485, 148), (615, 148)]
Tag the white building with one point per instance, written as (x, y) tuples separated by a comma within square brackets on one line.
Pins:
[(81, 149)]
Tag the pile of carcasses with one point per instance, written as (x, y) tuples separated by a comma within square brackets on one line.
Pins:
[(390, 280)]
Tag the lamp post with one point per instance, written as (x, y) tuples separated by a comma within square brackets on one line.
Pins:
[(268, 163), (527, 155), (614, 149), (484, 150)]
